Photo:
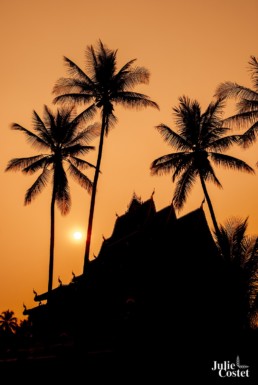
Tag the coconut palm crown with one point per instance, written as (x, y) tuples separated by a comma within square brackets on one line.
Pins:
[(246, 117), (200, 141), (8, 322)]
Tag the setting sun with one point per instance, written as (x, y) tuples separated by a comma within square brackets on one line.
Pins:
[(77, 235)]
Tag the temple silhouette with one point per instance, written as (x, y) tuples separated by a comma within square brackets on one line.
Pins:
[(157, 280)]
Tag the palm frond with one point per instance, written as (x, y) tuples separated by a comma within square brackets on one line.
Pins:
[(76, 149), (241, 120), (214, 112), (32, 138), (125, 69), (253, 63), (111, 120), (37, 186), (85, 115), (211, 121), (188, 119), (184, 187), (39, 164), (230, 162), (75, 71), (68, 99), (79, 177), (49, 118), (81, 163), (61, 188), (249, 137), (91, 62), (39, 126), (238, 247), (18, 164), (71, 85), (166, 163), (133, 100), (85, 135), (239, 239), (208, 173), (224, 244), (173, 139), (121, 76), (212, 134), (234, 90), (128, 78), (104, 67), (248, 105), (183, 162), (223, 143)]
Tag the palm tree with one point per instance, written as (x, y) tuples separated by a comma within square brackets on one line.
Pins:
[(200, 140), (102, 87), (236, 246), (240, 253), (247, 103), (64, 140), (8, 323)]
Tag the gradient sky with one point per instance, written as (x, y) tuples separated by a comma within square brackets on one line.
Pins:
[(188, 46)]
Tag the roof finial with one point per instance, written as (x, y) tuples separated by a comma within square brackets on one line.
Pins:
[(60, 282), (136, 197)]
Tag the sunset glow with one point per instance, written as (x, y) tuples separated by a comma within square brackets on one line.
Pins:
[(189, 47), (77, 235)]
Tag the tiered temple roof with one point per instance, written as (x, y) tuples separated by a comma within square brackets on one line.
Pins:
[(153, 259)]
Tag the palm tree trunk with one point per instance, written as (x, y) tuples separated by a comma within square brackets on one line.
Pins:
[(52, 242), (93, 194), (214, 220)]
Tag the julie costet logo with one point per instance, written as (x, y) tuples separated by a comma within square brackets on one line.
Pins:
[(229, 369)]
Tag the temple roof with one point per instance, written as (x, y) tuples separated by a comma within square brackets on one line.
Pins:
[(138, 214), (139, 224)]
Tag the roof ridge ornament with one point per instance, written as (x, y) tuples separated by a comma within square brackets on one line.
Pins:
[(136, 200), (136, 197)]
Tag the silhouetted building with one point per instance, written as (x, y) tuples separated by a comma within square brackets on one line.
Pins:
[(157, 283)]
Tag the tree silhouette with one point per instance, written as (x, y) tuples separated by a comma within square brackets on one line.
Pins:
[(8, 322), (247, 104), (240, 253), (200, 141), (102, 87), (237, 246), (64, 139)]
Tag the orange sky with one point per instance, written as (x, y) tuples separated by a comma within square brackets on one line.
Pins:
[(189, 48)]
